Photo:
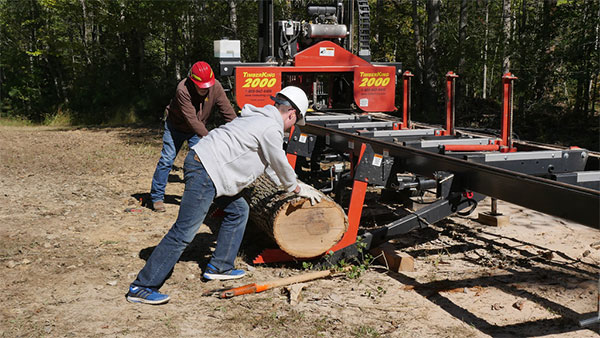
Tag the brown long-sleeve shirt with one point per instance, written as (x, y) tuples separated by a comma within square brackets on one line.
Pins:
[(188, 111)]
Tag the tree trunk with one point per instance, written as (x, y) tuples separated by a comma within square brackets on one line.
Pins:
[(462, 35), (462, 38), (233, 17), (583, 76), (506, 28), (299, 229), (419, 60), (431, 69), (485, 48), (86, 31), (596, 73), (379, 33), (523, 55)]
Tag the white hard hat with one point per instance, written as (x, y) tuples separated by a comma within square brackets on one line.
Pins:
[(298, 100)]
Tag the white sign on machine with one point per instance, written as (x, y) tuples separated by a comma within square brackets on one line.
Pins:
[(326, 51)]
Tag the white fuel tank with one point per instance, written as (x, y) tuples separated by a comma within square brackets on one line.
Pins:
[(315, 30)]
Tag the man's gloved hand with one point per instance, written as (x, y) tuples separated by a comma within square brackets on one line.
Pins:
[(309, 192)]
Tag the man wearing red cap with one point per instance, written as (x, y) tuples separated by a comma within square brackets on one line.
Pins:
[(187, 113)]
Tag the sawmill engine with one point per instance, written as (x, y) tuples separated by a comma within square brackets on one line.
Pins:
[(293, 36)]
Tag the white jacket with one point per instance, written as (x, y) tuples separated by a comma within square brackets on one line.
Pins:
[(236, 153)]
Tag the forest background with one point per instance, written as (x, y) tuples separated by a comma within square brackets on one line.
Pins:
[(102, 62)]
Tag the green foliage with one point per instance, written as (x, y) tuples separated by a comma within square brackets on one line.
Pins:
[(307, 265), (356, 266), (361, 263)]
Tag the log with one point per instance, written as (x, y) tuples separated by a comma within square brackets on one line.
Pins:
[(299, 228)]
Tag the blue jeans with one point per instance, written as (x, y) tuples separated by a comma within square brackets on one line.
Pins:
[(198, 195), (172, 142)]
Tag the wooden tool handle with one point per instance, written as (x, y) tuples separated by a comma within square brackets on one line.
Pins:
[(255, 288), (298, 279)]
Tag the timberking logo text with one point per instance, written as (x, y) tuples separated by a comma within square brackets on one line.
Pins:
[(378, 74), (263, 74)]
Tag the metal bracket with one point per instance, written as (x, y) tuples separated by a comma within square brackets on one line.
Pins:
[(301, 144), (587, 179), (534, 162), (444, 183), (374, 168)]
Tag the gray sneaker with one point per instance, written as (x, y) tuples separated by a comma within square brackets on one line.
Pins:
[(159, 206)]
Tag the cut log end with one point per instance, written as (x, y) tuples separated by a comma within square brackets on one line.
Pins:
[(300, 229), (305, 231)]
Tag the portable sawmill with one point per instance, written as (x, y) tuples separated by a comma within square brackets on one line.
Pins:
[(354, 119)]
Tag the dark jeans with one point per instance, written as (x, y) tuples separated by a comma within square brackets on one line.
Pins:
[(198, 196), (172, 142)]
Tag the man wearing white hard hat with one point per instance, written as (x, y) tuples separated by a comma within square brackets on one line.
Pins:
[(217, 168)]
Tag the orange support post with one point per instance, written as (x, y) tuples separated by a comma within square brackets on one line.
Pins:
[(450, 105), (292, 160), (507, 112), (359, 189), (406, 78)]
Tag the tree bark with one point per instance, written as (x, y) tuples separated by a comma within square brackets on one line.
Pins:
[(86, 31), (506, 28), (431, 69), (418, 44), (462, 38), (584, 49), (299, 229), (485, 48), (523, 54), (462, 35), (233, 17), (594, 80)]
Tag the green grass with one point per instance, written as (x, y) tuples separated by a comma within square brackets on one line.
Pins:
[(14, 122), (60, 119), (120, 116), (365, 331)]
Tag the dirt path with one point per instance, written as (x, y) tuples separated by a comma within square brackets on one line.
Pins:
[(68, 250)]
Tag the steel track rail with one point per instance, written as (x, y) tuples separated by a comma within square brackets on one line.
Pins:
[(571, 202)]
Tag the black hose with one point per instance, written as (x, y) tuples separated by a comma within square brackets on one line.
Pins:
[(469, 201)]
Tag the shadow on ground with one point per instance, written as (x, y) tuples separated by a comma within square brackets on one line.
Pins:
[(516, 266)]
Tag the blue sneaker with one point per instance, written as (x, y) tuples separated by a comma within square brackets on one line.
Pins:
[(139, 294), (211, 273)]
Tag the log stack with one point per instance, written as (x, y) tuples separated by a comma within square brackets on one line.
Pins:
[(300, 229)]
